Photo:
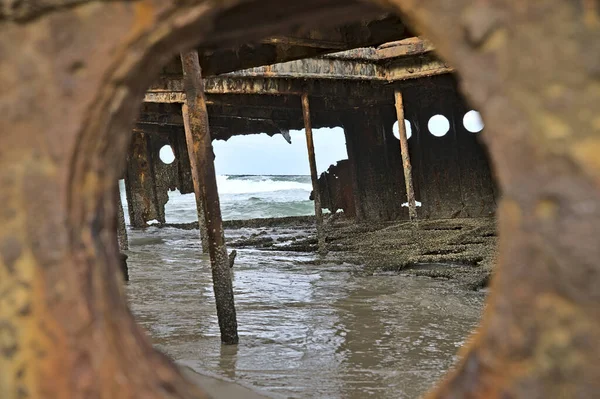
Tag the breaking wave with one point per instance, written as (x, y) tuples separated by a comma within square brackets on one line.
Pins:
[(262, 184), (245, 197)]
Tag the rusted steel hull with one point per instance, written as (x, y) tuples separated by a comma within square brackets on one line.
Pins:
[(335, 186), (452, 174), (375, 164), (146, 202), (148, 179)]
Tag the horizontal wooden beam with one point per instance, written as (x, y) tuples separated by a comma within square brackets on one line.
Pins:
[(170, 90), (423, 66), (403, 48), (323, 68), (319, 77)]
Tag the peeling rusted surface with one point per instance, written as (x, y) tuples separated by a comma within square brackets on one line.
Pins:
[(165, 97), (407, 47), (226, 88), (416, 67)]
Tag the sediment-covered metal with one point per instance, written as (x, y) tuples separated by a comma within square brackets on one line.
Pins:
[(205, 182)]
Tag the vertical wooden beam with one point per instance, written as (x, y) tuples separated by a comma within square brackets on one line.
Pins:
[(410, 191), (197, 189), (313, 172), (205, 183), (121, 228), (122, 240)]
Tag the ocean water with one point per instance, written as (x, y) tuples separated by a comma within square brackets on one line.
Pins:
[(246, 197), (307, 330), (309, 326)]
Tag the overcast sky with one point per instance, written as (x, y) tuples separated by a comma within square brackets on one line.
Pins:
[(259, 154)]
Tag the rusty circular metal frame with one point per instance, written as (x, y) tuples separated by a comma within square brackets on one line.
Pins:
[(532, 68)]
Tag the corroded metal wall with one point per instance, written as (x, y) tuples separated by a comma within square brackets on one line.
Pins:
[(451, 174), (148, 179), (376, 165)]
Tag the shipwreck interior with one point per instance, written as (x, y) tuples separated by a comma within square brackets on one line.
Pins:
[(204, 71)]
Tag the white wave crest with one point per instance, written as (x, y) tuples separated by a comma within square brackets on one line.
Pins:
[(264, 185)]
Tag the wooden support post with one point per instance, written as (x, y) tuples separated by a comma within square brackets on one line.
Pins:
[(197, 189), (205, 184), (313, 172), (122, 240), (121, 228), (410, 192)]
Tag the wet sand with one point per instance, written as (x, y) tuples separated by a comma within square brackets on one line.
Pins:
[(219, 387), (463, 250)]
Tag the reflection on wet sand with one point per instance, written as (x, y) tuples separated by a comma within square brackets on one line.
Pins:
[(306, 331)]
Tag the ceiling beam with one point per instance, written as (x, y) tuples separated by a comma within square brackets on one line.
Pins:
[(319, 77)]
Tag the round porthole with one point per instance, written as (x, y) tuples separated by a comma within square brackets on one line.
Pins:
[(438, 125), (472, 122), (166, 154), (407, 126)]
